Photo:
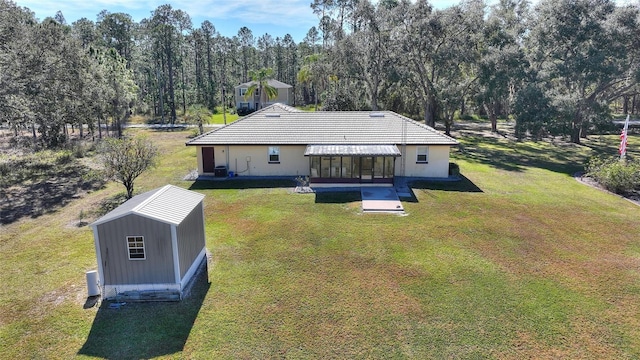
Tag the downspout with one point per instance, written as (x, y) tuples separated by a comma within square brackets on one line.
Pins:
[(227, 151)]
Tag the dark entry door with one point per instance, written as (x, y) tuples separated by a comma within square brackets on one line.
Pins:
[(366, 169), (208, 161)]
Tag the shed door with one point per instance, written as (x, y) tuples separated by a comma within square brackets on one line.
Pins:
[(208, 161)]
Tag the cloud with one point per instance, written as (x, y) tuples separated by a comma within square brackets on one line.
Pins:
[(273, 12), (282, 12)]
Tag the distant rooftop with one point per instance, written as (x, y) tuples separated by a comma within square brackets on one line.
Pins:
[(275, 83)]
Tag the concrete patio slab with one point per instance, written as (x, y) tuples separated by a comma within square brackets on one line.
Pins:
[(381, 199)]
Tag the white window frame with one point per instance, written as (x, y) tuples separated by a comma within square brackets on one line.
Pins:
[(422, 154), (273, 151), (137, 240), (243, 91)]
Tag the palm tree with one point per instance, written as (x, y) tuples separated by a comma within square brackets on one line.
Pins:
[(199, 115), (309, 74), (261, 84)]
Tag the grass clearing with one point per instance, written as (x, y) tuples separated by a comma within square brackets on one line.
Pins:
[(517, 261)]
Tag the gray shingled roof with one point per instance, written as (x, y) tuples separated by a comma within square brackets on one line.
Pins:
[(275, 83), (269, 126), (169, 204)]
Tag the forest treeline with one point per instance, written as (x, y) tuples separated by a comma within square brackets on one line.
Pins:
[(556, 68)]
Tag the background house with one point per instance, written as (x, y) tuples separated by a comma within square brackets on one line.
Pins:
[(151, 244), (252, 103), (330, 147)]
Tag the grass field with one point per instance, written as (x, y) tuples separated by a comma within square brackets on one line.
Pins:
[(517, 261)]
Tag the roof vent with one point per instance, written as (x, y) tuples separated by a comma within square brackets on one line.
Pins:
[(272, 115), (375, 115)]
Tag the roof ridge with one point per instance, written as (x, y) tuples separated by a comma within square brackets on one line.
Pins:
[(425, 126), (154, 196)]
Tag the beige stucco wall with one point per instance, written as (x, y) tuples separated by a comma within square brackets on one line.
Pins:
[(437, 166), (292, 160), (285, 96)]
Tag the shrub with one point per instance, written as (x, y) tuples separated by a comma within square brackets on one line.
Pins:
[(615, 175), (65, 157)]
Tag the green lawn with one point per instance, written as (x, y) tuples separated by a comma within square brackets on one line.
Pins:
[(519, 260)]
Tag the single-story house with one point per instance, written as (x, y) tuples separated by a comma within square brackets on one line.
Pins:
[(154, 242), (252, 103), (336, 147)]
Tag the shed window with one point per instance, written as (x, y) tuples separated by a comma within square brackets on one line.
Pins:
[(135, 246), (423, 154), (274, 154)]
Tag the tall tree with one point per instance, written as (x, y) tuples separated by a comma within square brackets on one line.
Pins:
[(117, 31), (165, 28), (210, 34), (246, 43), (503, 64), (586, 51), (434, 45), (364, 54)]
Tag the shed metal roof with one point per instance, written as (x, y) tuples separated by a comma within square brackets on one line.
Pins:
[(352, 150), (169, 204), (271, 126)]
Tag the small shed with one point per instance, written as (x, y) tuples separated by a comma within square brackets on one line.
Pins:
[(152, 245)]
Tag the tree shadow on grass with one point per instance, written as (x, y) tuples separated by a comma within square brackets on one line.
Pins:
[(145, 330), (240, 183), (50, 190), (565, 158)]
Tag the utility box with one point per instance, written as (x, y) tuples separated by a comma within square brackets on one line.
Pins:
[(220, 171), (93, 289)]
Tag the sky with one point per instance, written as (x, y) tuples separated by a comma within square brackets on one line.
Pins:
[(275, 17)]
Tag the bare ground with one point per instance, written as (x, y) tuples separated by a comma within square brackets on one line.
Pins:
[(31, 188)]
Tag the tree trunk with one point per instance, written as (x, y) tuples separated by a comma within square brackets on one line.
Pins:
[(184, 97), (493, 116), (430, 113), (576, 126), (172, 96)]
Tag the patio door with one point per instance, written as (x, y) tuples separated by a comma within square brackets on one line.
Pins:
[(366, 169)]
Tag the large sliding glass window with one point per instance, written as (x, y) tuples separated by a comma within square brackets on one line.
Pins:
[(388, 167), (315, 166), (346, 167), (378, 167), (352, 167), (325, 167)]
